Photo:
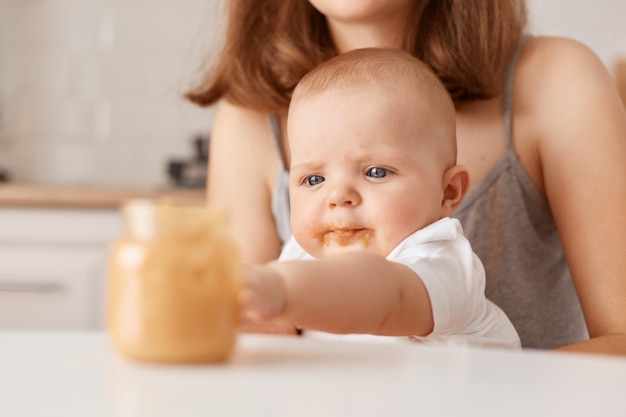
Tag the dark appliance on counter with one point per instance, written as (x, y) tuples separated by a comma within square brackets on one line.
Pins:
[(4, 175), (191, 172)]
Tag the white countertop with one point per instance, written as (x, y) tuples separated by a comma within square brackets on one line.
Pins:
[(78, 374)]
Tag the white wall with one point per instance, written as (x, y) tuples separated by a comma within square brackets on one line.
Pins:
[(600, 24), (90, 89)]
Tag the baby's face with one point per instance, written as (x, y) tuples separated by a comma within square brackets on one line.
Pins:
[(364, 174)]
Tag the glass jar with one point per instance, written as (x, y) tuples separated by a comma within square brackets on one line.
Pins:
[(173, 285)]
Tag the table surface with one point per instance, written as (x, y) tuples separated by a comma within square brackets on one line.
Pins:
[(79, 374)]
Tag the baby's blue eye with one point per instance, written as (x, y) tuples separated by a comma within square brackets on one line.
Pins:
[(377, 172), (314, 180)]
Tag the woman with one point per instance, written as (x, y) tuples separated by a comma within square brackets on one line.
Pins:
[(539, 125)]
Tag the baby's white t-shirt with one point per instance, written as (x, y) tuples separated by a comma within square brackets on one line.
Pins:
[(454, 277)]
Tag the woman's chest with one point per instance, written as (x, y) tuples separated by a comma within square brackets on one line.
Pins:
[(483, 134), (481, 137)]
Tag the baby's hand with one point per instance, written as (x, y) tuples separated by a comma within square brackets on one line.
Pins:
[(263, 296)]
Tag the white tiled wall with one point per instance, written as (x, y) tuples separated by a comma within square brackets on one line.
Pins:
[(90, 89)]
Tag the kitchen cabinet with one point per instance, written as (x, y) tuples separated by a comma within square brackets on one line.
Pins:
[(53, 266)]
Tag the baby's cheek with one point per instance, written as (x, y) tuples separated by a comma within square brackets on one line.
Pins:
[(312, 245), (307, 224)]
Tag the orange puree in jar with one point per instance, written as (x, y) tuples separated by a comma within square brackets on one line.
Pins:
[(173, 285)]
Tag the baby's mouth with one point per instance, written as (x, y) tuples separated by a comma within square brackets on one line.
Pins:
[(347, 236)]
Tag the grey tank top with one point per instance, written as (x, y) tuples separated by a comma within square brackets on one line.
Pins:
[(511, 229)]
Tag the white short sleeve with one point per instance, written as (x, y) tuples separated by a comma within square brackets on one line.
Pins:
[(455, 280)]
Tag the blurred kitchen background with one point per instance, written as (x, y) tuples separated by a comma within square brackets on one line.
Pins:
[(90, 90)]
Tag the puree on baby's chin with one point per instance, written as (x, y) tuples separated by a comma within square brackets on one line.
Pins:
[(173, 285), (345, 237)]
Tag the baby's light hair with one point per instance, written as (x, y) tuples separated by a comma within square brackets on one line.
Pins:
[(383, 67), (392, 71)]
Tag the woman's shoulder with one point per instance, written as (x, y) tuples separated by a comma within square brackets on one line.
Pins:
[(556, 76), (549, 65), (247, 129), (234, 117), (561, 90), (556, 47), (243, 137)]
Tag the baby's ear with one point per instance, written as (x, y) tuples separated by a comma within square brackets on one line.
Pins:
[(455, 186)]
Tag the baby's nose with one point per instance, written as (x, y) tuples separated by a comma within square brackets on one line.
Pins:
[(344, 196)]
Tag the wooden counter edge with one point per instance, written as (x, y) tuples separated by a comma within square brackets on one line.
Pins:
[(90, 197)]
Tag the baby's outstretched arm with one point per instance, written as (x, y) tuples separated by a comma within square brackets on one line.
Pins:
[(264, 296), (354, 292)]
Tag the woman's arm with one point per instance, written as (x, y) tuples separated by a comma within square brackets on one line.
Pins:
[(243, 167), (355, 292), (579, 124)]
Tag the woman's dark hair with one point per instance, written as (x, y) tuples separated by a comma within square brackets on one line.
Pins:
[(270, 44)]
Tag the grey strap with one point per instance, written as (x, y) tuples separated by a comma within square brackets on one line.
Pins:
[(509, 79)]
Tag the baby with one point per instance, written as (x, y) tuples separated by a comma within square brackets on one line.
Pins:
[(373, 181)]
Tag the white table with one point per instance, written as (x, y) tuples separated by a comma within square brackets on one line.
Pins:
[(76, 374)]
